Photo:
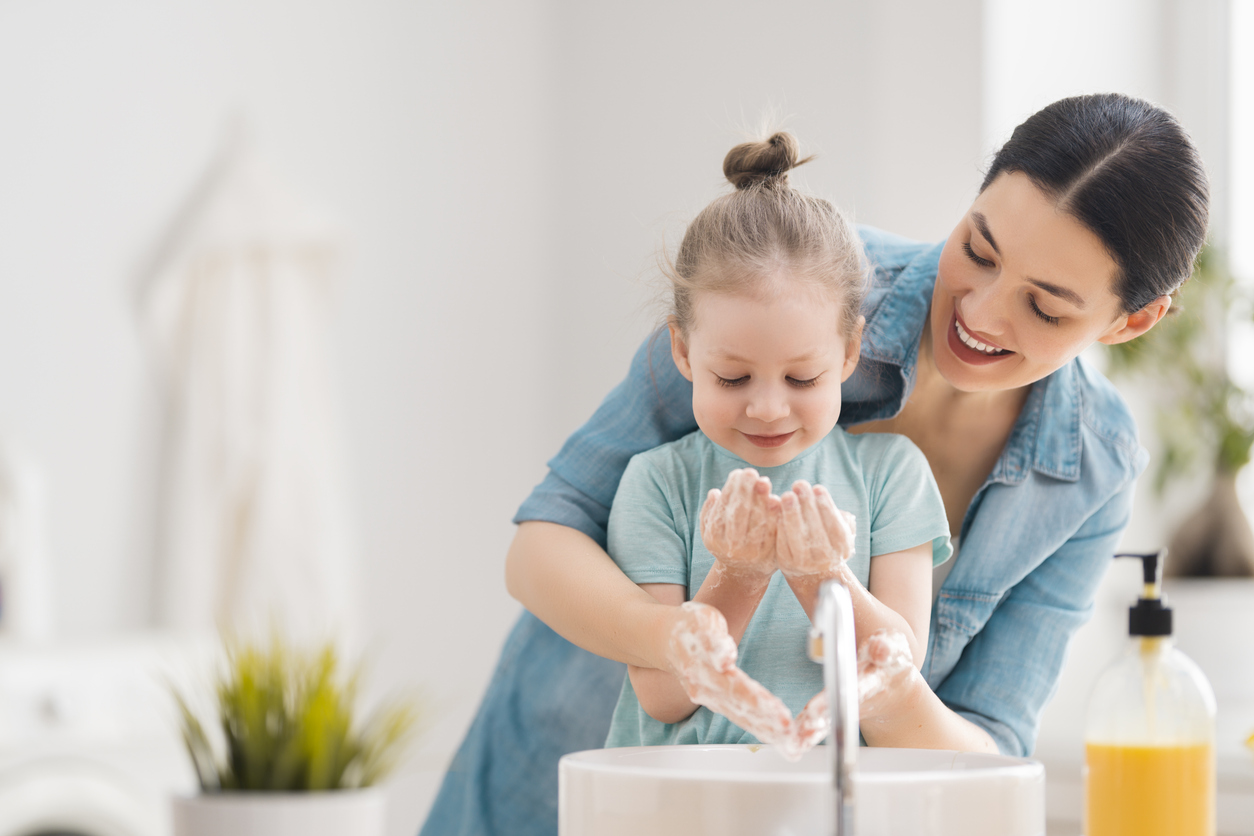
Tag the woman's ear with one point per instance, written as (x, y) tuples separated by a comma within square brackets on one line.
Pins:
[(679, 350), (853, 349), (1130, 326)]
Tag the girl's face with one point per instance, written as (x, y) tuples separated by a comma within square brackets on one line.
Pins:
[(766, 368), (1023, 288)]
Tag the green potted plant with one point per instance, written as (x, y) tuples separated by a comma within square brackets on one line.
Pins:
[(1203, 418), (281, 751)]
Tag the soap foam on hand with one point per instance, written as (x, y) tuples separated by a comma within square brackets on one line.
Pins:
[(703, 656)]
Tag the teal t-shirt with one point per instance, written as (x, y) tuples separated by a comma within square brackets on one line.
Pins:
[(655, 537)]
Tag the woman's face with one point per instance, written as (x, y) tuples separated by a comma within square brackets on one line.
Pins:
[(1023, 288)]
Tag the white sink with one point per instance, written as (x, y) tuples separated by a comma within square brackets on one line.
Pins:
[(752, 791)]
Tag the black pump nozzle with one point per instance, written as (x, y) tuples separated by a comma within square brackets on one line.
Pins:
[(1148, 617)]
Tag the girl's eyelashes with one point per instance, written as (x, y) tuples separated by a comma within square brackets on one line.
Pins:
[(1052, 320), (797, 383), (983, 262)]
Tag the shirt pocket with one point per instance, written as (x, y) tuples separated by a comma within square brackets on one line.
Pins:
[(959, 614)]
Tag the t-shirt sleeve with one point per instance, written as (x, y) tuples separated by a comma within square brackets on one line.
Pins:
[(906, 505), (652, 406), (646, 529)]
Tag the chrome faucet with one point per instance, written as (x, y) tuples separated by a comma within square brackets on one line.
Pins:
[(832, 643)]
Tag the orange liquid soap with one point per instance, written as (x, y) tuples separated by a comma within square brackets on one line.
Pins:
[(1150, 790)]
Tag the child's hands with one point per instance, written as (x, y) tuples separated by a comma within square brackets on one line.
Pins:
[(703, 657), (813, 537), (738, 523)]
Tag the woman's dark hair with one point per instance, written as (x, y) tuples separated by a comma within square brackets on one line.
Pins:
[(1125, 169)]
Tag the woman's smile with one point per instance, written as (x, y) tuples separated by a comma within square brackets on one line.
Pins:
[(971, 349)]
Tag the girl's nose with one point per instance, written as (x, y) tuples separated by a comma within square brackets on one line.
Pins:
[(767, 404)]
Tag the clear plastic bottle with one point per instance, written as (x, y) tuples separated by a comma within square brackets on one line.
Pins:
[(1150, 732)]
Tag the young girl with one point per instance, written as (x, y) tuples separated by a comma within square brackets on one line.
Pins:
[(767, 286)]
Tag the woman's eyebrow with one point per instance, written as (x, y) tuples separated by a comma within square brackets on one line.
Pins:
[(981, 223), (1061, 292)]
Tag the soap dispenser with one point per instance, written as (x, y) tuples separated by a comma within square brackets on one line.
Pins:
[(1150, 731)]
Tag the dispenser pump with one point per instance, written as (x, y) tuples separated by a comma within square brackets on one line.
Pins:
[(1149, 617)]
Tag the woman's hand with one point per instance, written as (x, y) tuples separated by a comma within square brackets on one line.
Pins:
[(814, 538), (703, 657), (738, 524)]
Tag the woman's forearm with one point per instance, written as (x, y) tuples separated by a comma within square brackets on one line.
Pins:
[(568, 581), (918, 719), (736, 594)]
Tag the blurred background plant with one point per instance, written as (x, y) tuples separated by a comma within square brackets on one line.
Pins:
[(284, 720), (1204, 420)]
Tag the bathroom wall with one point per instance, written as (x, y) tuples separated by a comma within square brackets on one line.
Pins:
[(425, 128)]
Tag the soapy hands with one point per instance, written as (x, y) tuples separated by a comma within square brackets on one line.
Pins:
[(738, 523), (750, 531), (703, 657), (813, 537)]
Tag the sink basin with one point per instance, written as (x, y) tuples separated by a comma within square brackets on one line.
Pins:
[(753, 791)]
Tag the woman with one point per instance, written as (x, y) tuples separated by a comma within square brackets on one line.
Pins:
[(1087, 221)]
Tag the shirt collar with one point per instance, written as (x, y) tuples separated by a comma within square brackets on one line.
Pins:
[(894, 327), (1046, 438)]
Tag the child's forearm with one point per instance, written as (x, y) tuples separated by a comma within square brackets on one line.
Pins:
[(736, 594), (869, 613), (660, 694)]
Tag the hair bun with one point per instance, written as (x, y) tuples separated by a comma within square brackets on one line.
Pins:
[(764, 162)]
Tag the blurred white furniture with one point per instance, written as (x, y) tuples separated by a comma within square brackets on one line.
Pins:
[(88, 740)]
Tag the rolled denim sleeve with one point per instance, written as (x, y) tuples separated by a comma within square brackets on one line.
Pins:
[(652, 406), (1010, 669)]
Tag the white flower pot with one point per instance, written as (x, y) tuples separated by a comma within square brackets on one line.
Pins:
[(335, 813)]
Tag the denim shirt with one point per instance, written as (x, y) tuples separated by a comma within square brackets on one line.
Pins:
[(1035, 540)]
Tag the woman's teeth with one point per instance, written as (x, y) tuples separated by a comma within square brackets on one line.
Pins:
[(971, 342)]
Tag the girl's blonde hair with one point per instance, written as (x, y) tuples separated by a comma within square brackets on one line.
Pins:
[(744, 239)]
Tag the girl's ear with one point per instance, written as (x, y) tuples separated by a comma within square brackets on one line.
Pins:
[(1130, 326), (853, 350), (679, 350)]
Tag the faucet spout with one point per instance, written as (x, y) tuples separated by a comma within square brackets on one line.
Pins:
[(833, 627)]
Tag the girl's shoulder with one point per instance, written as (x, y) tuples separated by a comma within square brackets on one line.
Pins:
[(673, 463), (875, 448), (875, 459)]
